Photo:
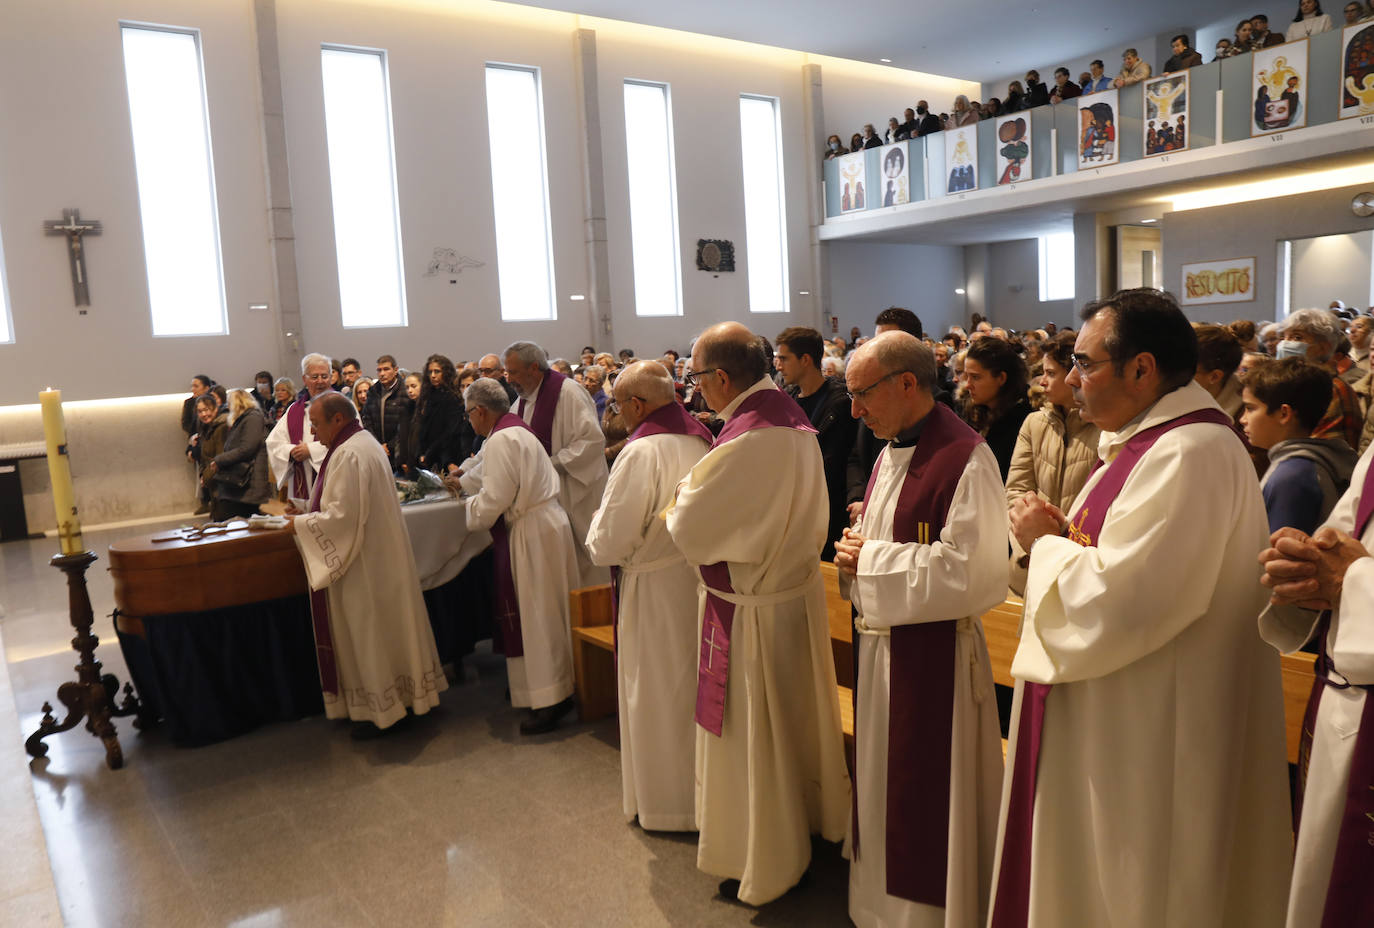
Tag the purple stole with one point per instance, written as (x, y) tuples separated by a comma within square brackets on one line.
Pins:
[(295, 430), (541, 423), (1350, 891), (671, 419), (319, 599), (1011, 904), (762, 410), (509, 640), (921, 699)]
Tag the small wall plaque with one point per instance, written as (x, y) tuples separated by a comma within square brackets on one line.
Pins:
[(715, 255)]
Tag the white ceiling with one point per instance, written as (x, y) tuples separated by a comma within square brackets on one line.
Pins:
[(978, 40)]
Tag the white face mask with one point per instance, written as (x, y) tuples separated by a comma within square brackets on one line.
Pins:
[(834, 146), (1290, 349)]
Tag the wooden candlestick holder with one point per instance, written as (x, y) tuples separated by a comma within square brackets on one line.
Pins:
[(91, 695)]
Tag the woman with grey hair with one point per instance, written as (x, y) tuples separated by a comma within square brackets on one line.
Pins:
[(1313, 334), (963, 114)]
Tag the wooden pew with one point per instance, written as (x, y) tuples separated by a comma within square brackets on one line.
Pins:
[(594, 665)]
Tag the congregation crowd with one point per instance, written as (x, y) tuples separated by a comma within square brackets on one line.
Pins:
[(935, 474), (1251, 34)]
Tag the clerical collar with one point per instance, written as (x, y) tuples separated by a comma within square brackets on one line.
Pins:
[(907, 438)]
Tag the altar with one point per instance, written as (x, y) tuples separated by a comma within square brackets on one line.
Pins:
[(216, 629)]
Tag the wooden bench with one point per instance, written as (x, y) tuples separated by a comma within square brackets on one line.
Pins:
[(594, 663)]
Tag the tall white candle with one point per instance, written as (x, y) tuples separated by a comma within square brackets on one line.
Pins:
[(60, 472)]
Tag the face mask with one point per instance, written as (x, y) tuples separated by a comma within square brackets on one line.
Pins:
[(1291, 349), (834, 146)]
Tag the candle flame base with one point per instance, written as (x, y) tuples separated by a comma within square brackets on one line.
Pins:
[(92, 695)]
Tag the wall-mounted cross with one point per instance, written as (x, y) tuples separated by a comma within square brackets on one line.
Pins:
[(74, 227)]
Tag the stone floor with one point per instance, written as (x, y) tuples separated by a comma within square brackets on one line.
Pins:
[(456, 821)]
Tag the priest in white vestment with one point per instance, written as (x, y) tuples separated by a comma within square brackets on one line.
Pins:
[(563, 417), (656, 599), (293, 453), (535, 565), (372, 634), (751, 517), (1160, 796), (926, 560), (1324, 592)]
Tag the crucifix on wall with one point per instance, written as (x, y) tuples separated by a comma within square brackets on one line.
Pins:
[(75, 228)]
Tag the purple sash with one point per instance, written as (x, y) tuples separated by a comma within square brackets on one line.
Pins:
[(541, 423), (921, 697), (508, 638), (671, 419), (761, 410), (1350, 890), (1011, 903), (295, 430), (319, 599)]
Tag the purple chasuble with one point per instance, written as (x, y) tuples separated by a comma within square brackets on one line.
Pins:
[(508, 637), (1011, 903), (1350, 890), (319, 599), (762, 410), (541, 423), (920, 728)]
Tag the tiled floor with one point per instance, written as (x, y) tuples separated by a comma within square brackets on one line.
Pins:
[(456, 821)]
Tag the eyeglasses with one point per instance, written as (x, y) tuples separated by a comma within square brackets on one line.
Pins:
[(318, 376), (694, 378), (861, 395), (1085, 366), (485, 371), (614, 405)]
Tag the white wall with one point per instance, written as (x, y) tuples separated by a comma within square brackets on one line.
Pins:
[(857, 93), (1333, 267), (867, 278), (67, 144), (1013, 288)]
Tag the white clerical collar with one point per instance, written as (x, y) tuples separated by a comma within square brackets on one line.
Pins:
[(1180, 402), (764, 383)]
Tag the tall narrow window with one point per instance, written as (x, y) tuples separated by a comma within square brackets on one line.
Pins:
[(1056, 267), (176, 180), (765, 218), (520, 193), (6, 327), (362, 182), (653, 200)]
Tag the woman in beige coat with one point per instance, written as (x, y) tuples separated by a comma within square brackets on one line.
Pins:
[(1055, 449)]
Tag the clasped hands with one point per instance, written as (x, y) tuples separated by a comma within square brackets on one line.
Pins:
[(847, 548), (1308, 571), (1033, 517)]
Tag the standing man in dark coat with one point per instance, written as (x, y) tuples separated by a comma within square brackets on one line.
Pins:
[(826, 404)]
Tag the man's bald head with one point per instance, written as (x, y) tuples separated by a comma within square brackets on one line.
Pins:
[(648, 381), (333, 404), (897, 351), (732, 348)]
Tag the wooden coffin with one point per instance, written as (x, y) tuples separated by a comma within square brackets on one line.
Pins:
[(215, 572)]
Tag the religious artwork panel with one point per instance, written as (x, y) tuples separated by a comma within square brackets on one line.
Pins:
[(961, 159), (1357, 70), (1231, 280), (1279, 88), (1166, 114), (1097, 119), (853, 180), (1013, 149), (896, 174)]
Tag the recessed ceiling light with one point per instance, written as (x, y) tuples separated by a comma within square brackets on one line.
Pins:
[(959, 291), (885, 60), (577, 297), (1149, 220)]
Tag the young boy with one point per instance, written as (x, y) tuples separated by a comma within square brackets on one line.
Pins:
[(1283, 401)]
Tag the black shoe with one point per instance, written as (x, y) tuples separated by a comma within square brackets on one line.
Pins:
[(365, 731), (729, 889), (544, 720)]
